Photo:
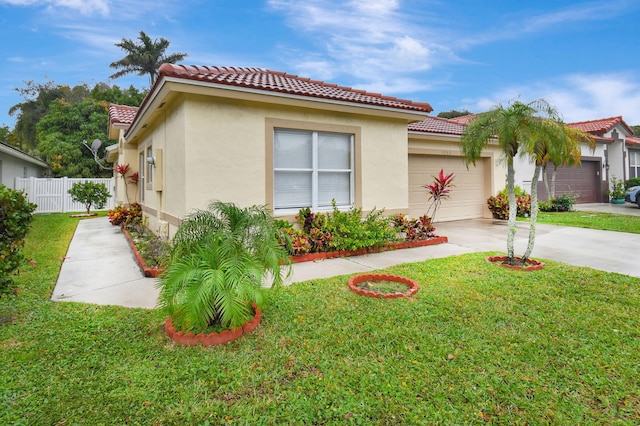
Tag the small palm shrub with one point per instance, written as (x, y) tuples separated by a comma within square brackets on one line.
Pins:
[(219, 259)]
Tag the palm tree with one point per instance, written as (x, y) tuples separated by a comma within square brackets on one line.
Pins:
[(562, 146), (569, 156), (144, 57), (514, 127), (219, 261)]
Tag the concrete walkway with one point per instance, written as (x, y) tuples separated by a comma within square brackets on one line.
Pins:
[(100, 268)]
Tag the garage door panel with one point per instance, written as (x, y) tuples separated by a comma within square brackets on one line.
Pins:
[(583, 181), (467, 197)]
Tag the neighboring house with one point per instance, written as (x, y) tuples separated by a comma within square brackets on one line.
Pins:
[(17, 164), (254, 136), (617, 154)]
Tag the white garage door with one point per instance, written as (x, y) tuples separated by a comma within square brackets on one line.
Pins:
[(468, 197)]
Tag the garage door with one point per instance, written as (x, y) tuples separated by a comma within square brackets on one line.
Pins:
[(468, 198), (583, 181)]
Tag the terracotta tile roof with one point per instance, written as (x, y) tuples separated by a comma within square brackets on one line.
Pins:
[(275, 81), (122, 114), (600, 126), (463, 119), (632, 141), (437, 125)]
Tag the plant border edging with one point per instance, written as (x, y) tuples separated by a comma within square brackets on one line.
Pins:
[(534, 265), (309, 257), (359, 278), (215, 338), (148, 272)]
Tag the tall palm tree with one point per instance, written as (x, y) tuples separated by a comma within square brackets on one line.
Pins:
[(517, 127), (558, 144), (144, 57), (569, 156)]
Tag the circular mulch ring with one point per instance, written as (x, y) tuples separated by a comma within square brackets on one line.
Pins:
[(212, 339), (532, 265), (356, 285)]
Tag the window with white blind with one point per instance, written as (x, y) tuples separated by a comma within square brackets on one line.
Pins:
[(311, 169), (634, 164)]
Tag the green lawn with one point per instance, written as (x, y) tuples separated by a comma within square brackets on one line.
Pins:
[(478, 343), (594, 220)]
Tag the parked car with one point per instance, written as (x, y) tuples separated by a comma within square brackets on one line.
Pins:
[(633, 195)]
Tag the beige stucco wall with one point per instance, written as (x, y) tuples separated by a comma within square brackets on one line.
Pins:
[(216, 148), (227, 156)]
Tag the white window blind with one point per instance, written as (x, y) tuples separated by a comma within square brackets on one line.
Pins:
[(311, 169)]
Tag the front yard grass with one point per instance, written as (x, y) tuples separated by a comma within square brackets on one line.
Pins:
[(478, 343), (593, 220)]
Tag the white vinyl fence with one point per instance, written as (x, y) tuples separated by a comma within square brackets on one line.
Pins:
[(52, 195)]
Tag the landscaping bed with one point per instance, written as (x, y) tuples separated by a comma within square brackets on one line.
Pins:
[(476, 344)]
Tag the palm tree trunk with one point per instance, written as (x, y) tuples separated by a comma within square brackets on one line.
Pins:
[(534, 214), (553, 181), (513, 210), (545, 179)]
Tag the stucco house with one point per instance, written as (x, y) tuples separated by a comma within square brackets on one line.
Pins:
[(15, 163), (255, 136), (617, 154)]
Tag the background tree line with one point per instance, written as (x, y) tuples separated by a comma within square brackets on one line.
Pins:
[(54, 119)]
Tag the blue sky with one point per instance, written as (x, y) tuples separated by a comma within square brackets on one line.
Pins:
[(582, 56)]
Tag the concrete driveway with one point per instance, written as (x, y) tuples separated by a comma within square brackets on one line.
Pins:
[(605, 250)]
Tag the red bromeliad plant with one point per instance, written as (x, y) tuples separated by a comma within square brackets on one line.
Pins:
[(438, 190), (122, 170)]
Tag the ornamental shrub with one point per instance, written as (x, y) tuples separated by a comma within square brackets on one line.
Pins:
[(562, 203), (632, 182), (15, 216), (122, 216), (499, 204), (89, 194)]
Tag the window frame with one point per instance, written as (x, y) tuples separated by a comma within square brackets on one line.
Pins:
[(634, 167), (355, 158)]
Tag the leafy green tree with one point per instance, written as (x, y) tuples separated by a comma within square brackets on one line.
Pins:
[(144, 57), (39, 96), (90, 194), (116, 95), (636, 130), (453, 113), (15, 216), (62, 131), (514, 127)]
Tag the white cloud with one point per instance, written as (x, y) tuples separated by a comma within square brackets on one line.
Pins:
[(370, 40), (85, 7), (578, 97)]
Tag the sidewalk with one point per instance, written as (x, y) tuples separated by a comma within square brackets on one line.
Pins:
[(100, 268)]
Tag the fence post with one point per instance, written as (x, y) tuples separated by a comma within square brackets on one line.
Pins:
[(65, 199), (32, 190)]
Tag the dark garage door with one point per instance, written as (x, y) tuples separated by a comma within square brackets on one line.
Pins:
[(583, 181)]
